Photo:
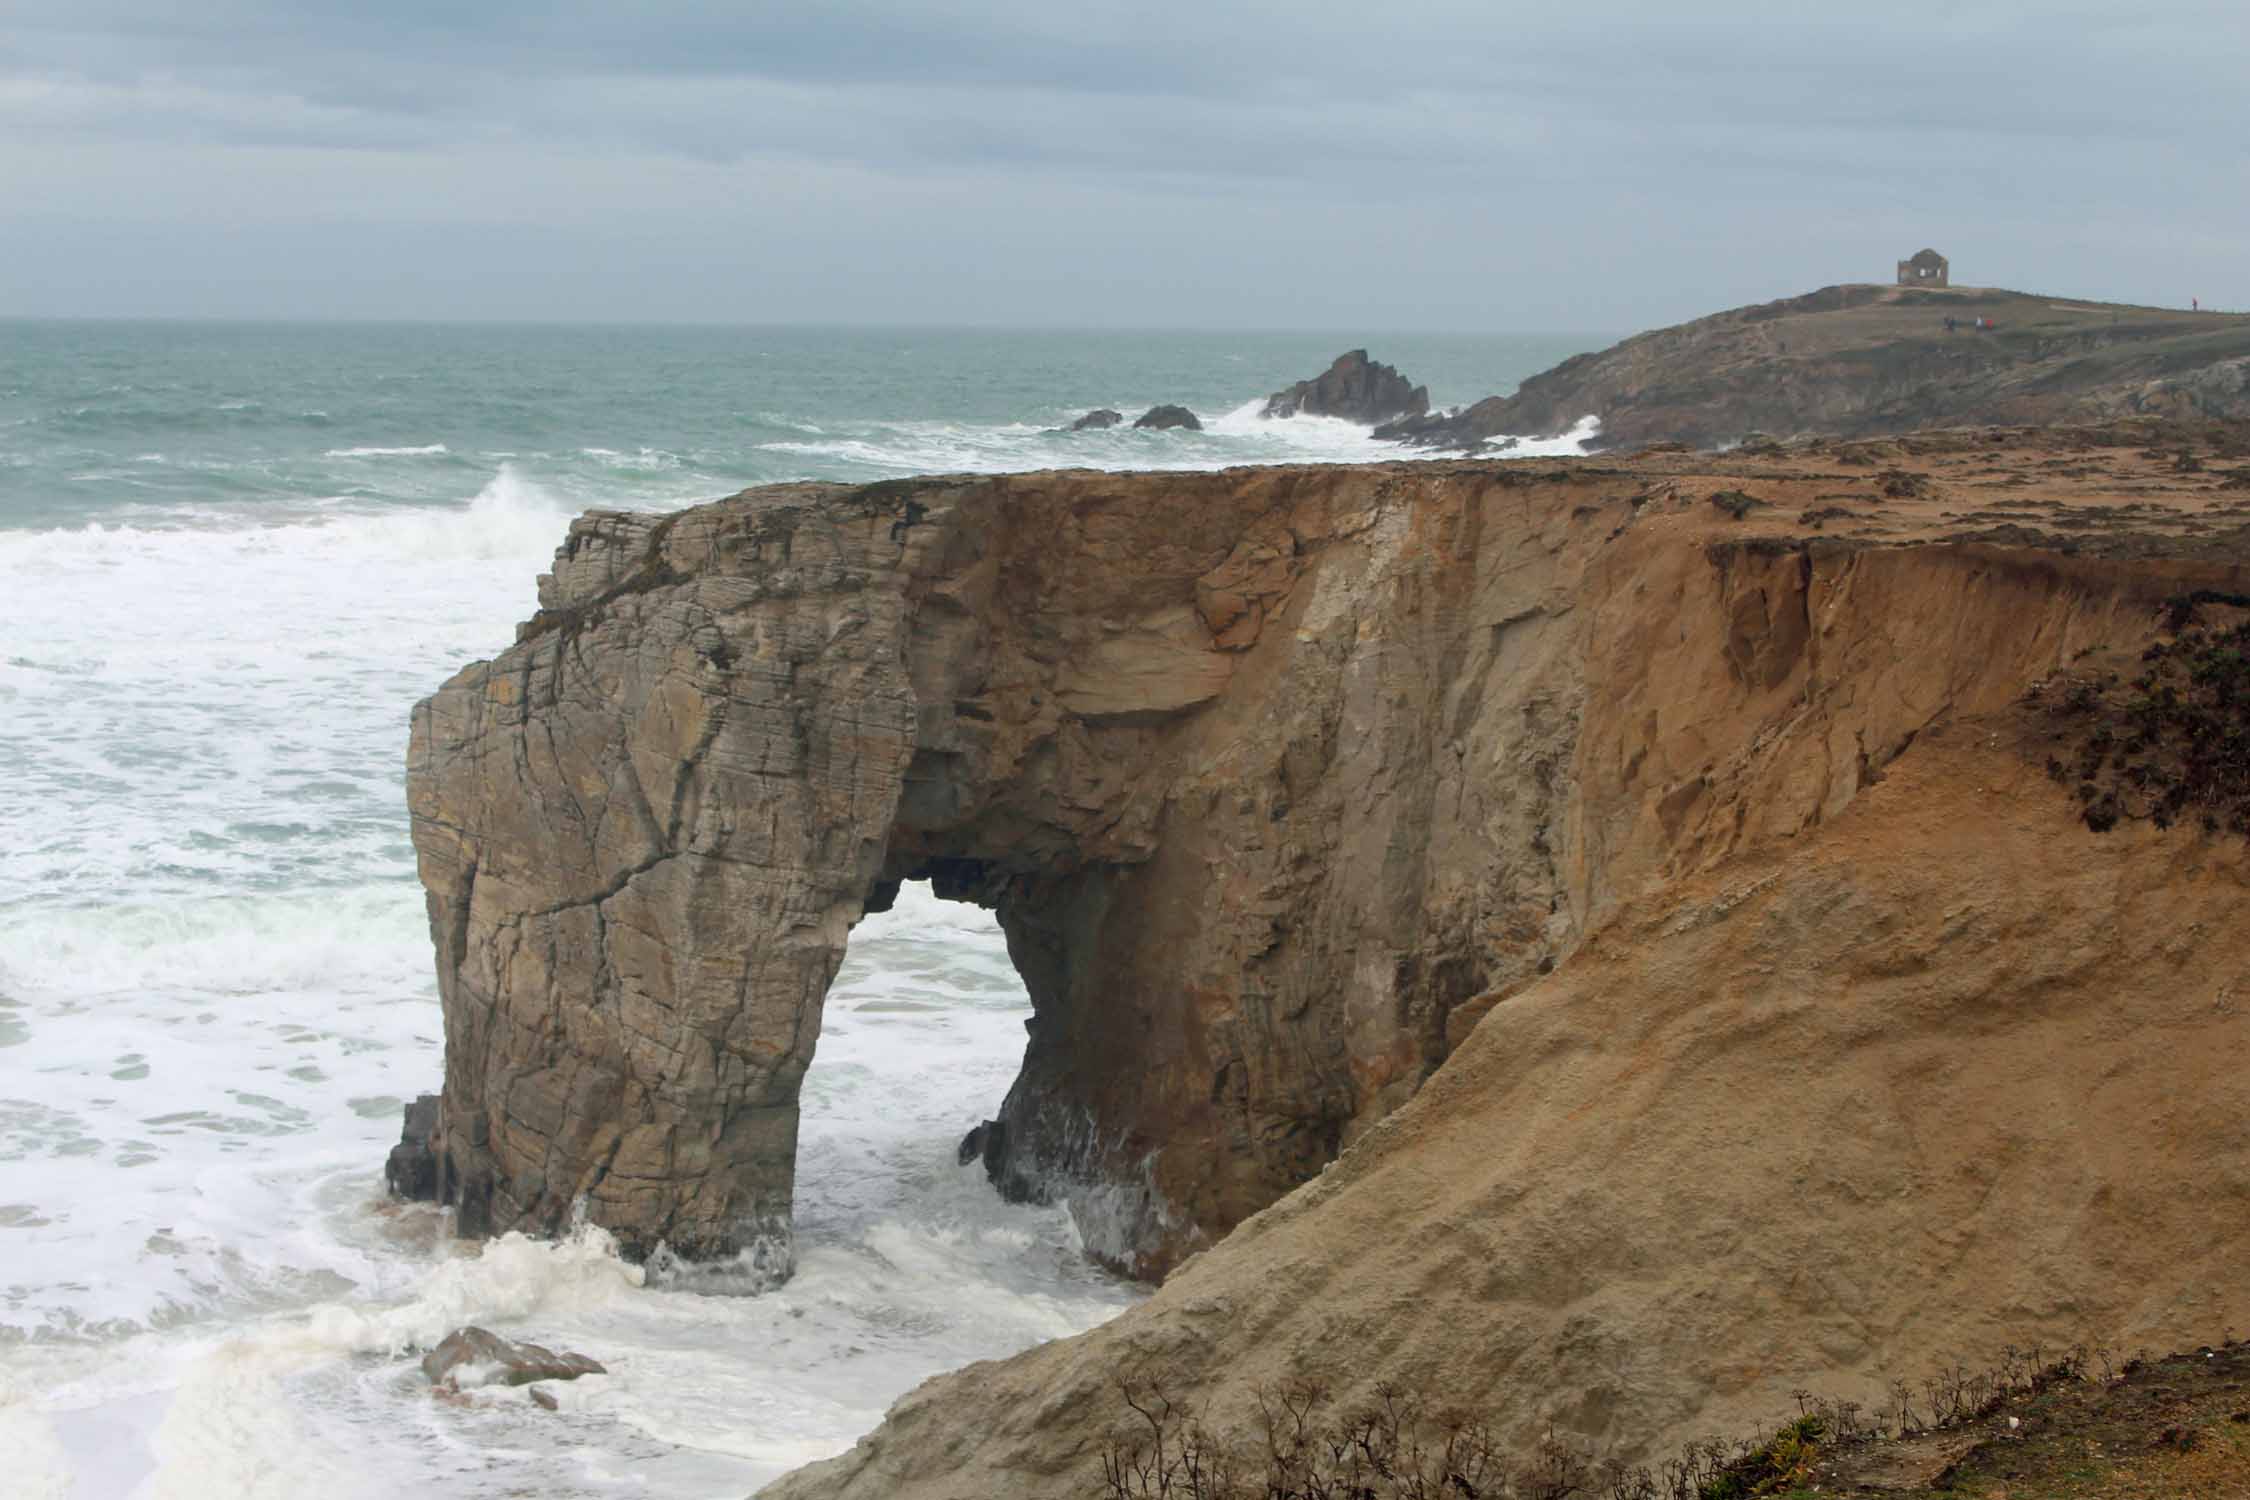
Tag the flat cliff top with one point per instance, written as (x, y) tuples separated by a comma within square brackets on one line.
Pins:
[(1863, 359), (2127, 489)]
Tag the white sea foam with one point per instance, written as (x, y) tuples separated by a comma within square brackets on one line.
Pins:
[(640, 459), (1567, 445), (425, 450), (210, 939), (1240, 435), (37, 1466), (909, 1265)]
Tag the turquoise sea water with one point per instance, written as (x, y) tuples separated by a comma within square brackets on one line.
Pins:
[(231, 558)]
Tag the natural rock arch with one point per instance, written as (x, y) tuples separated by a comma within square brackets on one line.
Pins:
[(1277, 779), (1203, 742)]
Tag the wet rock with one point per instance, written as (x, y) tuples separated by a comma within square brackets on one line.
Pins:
[(544, 1400), (412, 1168), (1162, 417), (474, 1356), (1425, 430), (1097, 419), (986, 1143), (1356, 389)]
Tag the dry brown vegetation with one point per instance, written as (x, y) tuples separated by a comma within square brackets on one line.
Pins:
[(2081, 1425), (2171, 742)]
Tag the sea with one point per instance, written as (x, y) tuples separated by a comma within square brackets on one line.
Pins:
[(232, 557)]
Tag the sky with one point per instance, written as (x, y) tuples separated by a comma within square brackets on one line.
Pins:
[(1419, 164)]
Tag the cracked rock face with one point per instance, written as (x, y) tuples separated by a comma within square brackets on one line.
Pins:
[(1257, 769)]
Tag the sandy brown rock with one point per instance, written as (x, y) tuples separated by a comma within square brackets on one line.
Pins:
[(1867, 1055), (1277, 779), (1203, 741)]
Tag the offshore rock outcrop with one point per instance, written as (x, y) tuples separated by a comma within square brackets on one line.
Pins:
[(1260, 771), (1356, 389), (1165, 418)]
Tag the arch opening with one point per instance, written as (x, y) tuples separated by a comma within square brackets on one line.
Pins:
[(921, 1034)]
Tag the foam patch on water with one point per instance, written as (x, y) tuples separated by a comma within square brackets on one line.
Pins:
[(1239, 435), (37, 1465), (909, 1265), (1570, 444), (425, 450), (211, 942)]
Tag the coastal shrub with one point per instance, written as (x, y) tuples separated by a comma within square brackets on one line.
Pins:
[(1400, 1445), (1899, 484), (2169, 743)]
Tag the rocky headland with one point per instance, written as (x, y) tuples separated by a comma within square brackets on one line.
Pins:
[(1610, 941), (1860, 360)]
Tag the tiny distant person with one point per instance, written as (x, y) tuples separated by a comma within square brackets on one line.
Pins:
[(1949, 325), (2195, 304)]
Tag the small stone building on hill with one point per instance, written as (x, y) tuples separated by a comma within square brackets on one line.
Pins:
[(1926, 268)]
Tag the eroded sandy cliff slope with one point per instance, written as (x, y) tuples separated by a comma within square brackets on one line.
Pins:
[(1865, 1054)]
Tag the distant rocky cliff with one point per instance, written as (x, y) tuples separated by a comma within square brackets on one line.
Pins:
[(1862, 360)]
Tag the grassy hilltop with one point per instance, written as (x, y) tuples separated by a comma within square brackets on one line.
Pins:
[(1852, 361)]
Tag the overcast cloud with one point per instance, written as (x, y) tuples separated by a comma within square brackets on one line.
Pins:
[(1425, 164)]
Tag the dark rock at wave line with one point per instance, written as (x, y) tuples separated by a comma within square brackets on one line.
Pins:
[(489, 1359), (412, 1168), (1356, 389), (1426, 429), (1161, 417), (1103, 417)]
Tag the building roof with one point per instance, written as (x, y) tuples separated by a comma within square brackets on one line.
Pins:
[(1926, 258)]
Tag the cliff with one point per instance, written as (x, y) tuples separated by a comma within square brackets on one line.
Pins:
[(1259, 771), (1642, 886), (1861, 1053), (1862, 360)]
